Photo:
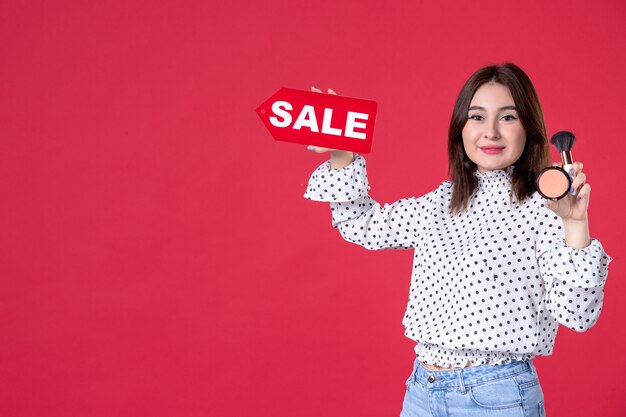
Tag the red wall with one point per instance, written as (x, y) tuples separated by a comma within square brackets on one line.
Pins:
[(157, 256)]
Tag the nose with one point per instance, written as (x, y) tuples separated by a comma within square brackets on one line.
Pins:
[(491, 130)]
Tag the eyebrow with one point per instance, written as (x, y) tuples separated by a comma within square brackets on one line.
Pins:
[(501, 108)]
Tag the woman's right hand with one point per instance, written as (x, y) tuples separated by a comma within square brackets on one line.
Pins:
[(338, 159)]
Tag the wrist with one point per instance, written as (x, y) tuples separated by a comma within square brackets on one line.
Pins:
[(577, 233), (340, 159), (576, 223)]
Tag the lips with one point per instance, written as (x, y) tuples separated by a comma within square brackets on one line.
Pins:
[(492, 149)]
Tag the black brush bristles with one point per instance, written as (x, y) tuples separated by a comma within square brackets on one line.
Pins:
[(563, 140)]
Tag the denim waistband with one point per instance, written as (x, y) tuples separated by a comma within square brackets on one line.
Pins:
[(469, 376)]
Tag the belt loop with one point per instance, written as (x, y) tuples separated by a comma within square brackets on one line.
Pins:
[(532, 367), (459, 374)]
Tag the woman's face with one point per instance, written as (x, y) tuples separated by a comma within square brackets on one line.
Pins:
[(493, 136)]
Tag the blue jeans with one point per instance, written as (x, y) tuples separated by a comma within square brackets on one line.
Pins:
[(510, 390)]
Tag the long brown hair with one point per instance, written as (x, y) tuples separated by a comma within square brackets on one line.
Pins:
[(536, 154)]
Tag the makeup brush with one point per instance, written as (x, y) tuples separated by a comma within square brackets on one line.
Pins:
[(563, 141), (554, 182)]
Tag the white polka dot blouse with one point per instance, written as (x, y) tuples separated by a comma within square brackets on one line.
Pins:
[(490, 285)]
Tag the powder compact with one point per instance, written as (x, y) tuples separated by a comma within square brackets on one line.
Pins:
[(555, 182)]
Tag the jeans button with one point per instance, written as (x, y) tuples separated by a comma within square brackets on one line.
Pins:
[(431, 379)]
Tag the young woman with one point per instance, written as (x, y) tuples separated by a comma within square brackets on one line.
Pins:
[(496, 268)]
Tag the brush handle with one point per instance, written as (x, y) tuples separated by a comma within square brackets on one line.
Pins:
[(570, 171), (566, 157)]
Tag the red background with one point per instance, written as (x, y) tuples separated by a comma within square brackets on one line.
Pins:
[(157, 255)]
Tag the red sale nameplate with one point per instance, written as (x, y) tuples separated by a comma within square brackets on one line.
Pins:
[(319, 119)]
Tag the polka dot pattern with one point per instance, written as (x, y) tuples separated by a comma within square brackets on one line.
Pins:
[(490, 285)]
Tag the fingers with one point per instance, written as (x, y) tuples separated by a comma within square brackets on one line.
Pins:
[(579, 181), (580, 178), (318, 149), (585, 192), (317, 90), (578, 167)]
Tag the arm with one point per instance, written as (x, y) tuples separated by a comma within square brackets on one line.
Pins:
[(574, 276), (359, 218)]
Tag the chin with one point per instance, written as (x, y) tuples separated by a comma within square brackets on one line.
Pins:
[(492, 167)]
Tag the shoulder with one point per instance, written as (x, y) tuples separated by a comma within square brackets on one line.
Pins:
[(444, 189), (439, 196)]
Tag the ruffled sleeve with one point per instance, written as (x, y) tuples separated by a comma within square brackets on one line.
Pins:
[(358, 217), (574, 278), (338, 185)]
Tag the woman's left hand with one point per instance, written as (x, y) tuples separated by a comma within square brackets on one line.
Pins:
[(573, 207)]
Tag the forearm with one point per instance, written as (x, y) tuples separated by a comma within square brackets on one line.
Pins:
[(577, 233), (340, 159), (574, 307), (374, 226)]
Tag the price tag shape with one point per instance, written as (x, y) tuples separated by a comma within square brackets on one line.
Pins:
[(318, 119)]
